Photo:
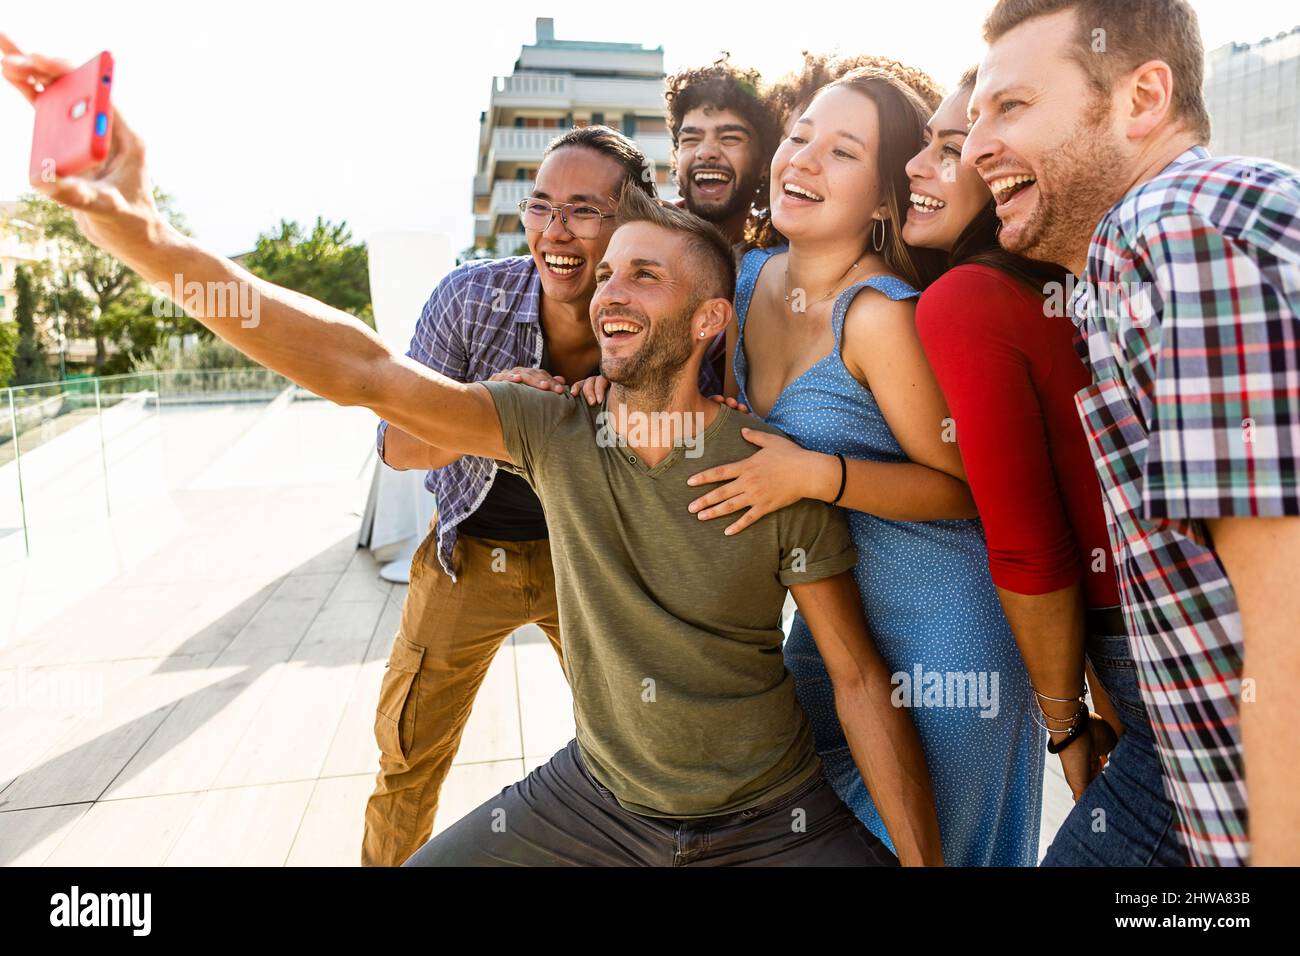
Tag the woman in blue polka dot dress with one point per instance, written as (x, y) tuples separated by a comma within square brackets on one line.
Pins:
[(836, 365)]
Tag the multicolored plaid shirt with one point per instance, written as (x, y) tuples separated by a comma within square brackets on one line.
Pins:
[(1189, 320), (484, 317)]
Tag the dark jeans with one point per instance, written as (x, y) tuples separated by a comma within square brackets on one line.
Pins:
[(1123, 818), (559, 815)]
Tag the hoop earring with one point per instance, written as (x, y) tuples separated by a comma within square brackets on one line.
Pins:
[(878, 246)]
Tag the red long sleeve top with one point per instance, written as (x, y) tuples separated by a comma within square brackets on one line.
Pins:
[(1009, 372)]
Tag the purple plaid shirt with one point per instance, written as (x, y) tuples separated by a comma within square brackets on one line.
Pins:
[(484, 317), (1189, 319)]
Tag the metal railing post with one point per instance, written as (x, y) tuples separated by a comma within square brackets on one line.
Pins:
[(18, 466), (103, 450)]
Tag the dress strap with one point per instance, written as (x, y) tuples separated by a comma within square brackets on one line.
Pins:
[(891, 286), (751, 264)]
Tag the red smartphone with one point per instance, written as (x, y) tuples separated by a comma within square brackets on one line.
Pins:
[(73, 121)]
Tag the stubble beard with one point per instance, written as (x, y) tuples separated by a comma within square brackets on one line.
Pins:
[(1084, 178), (742, 198), (647, 378)]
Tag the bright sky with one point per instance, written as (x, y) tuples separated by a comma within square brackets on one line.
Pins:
[(368, 111)]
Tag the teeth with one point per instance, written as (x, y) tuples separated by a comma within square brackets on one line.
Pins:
[(1007, 182), (710, 174), (563, 261), (927, 201), (800, 191), (609, 328)]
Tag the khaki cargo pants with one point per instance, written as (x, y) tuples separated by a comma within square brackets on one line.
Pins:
[(448, 636)]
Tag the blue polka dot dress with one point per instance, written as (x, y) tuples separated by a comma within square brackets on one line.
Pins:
[(935, 617)]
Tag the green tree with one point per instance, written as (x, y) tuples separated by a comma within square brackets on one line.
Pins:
[(8, 346), (96, 295), (325, 264), (474, 252), (29, 363)]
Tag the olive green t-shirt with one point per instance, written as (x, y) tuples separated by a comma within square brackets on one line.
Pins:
[(671, 629)]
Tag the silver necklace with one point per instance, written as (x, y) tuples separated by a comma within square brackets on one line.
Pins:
[(833, 288)]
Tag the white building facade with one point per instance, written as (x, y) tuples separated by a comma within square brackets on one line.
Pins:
[(557, 84), (16, 249), (1252, 91)]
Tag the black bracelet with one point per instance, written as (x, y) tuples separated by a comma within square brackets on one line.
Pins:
[(844, 477), (1081, 723)]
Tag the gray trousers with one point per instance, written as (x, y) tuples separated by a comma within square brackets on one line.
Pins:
[(559, 815)]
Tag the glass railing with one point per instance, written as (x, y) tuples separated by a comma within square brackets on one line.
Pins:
[(74, 450)]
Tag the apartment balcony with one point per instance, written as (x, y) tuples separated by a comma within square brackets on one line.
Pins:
[(509, 242), (533, 91), (514, 145), (20, 251), (482, 226), (614, 93), (564, 92), (482, 184), (618, 58), (657, 147), (507, 193)]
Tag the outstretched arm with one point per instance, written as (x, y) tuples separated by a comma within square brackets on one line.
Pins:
[(881, 737), (321, 348)]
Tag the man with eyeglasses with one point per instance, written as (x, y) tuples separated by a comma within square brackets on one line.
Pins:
[(484, 569)]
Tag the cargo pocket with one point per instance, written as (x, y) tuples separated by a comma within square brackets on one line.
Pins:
[(395, 715)]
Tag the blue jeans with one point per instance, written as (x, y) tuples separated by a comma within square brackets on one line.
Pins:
[(1123, 818)]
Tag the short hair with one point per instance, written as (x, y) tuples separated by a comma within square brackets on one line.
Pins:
[(710, 252), (1134, 31), (637, 169)]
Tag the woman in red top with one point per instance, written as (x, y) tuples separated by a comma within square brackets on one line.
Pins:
[(1006, 366), (995, 330)]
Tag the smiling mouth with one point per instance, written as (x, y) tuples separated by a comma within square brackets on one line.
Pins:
[(617, 329), (563, 266), (1006, 188), (798, 192), (710, 181), (924, 205)]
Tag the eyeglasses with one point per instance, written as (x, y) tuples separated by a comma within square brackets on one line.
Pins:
[(581, 219)]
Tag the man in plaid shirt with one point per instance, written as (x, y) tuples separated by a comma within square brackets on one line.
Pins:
[(1089, 113)]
